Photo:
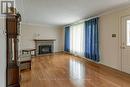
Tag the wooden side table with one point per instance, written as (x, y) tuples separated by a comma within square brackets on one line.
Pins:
[(29, 51)]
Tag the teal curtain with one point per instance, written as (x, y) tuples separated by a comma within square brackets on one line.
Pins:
[(92, 39), (67, 39)]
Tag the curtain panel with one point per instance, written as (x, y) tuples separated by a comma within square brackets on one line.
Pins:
[(67, 39), (92, 39)]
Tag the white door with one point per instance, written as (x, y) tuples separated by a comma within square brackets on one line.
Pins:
[(126, 44)]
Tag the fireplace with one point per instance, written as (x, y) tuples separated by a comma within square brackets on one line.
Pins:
[(44, 49), (44, 46)]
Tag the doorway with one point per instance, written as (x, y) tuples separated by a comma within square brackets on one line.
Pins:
[(125, 44)]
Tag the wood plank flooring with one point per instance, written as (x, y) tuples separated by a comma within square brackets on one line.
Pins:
[(64, 70)]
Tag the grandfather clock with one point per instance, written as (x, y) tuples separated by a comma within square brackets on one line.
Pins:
[(12, 30)]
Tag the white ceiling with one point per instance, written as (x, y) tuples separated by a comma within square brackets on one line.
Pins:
[(61, 12)]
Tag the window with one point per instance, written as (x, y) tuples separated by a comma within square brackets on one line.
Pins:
[(77, 43)]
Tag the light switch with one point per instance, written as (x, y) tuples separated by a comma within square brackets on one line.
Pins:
[(113, 35)]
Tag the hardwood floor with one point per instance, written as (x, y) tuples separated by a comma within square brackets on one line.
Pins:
[(64, 70)]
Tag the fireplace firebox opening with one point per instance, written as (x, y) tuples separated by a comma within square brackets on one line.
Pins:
[(44, 49)]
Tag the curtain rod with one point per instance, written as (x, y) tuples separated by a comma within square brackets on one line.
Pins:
[(80, 21)]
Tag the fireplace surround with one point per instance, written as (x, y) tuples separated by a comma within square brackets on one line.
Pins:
[(44, 46)]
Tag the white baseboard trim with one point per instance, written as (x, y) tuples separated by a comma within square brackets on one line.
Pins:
[(82, 57)]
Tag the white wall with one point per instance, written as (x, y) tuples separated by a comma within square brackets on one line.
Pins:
[(2, 54), (110, 47), (29, 31)]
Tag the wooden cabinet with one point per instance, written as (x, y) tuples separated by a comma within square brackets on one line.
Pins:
[(12, 28)]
